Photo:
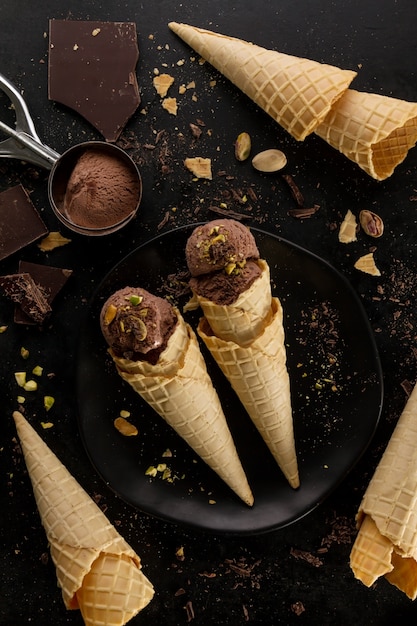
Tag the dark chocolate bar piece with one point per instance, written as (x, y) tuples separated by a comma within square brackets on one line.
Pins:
[(91, 69), (50, 279), (20, 223), (22, 288)]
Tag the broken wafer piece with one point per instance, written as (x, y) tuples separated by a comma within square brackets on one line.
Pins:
[(162, 83), (348, 228), (199, 166), (366, 263), (386, 544)]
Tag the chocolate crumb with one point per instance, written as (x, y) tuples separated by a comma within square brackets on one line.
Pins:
[(297, 607)]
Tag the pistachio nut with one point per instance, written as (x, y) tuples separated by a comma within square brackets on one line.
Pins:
[(371, 223), (243, 146), (269, 161)]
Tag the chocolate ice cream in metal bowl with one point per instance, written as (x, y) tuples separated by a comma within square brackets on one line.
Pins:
[(95, 188), (98, 196)]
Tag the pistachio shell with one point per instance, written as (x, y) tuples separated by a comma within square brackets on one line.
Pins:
[(371, 223), (269, 161)]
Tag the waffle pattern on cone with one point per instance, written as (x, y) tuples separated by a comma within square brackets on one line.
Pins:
[(370, 557), (243, 320), (373, 130), (113, 591), (180, 390), (76, 528), (259, 376), (388, 512), (296, 92)]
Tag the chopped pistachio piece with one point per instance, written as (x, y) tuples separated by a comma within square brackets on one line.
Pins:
[(48, 402), (3, 329), (20, 378), (151, 471), (135, 299), (30, 385), (24, 353), (124, 413), (46, 425), (37, 370), (21, 399)]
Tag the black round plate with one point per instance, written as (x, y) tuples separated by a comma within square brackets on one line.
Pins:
[(336, 384)]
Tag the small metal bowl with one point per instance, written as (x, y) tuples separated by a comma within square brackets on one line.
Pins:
[(60, 175)]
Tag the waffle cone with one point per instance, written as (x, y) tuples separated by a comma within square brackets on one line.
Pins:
[(296, 92), (258, 374), (180, 390), (373, 130), (243, 320), (386, 544), (85, 546)]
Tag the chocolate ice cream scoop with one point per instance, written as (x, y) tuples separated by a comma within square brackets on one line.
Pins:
[(220, 245), (223, 288), (101, 191), (136, 324)]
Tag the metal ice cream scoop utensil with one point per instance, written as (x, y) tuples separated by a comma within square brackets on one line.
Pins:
[(24, 143)]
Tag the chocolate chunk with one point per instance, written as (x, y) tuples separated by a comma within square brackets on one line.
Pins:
[(92, 70), (50, 279), (22, 288), (20, 223)]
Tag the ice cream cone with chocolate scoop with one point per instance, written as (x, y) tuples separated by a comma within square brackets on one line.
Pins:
[(243, 330), (386, 544), (373, 130), (97, 570), (296, 92), (158, 354)]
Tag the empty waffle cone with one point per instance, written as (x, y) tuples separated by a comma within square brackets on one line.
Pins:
[(296, 92), (97, 570), (258, 374), (386, 544), (180, 390), (243, 320), (373, 130)]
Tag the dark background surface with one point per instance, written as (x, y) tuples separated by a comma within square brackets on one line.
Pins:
[(266, 579)]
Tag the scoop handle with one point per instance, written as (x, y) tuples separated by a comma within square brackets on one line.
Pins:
[(23, 142)]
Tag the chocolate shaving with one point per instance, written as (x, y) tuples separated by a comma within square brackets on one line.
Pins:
[(190, 611), (306, 556), (21, 288), (297, 195), (302, 213), (229, 213)]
